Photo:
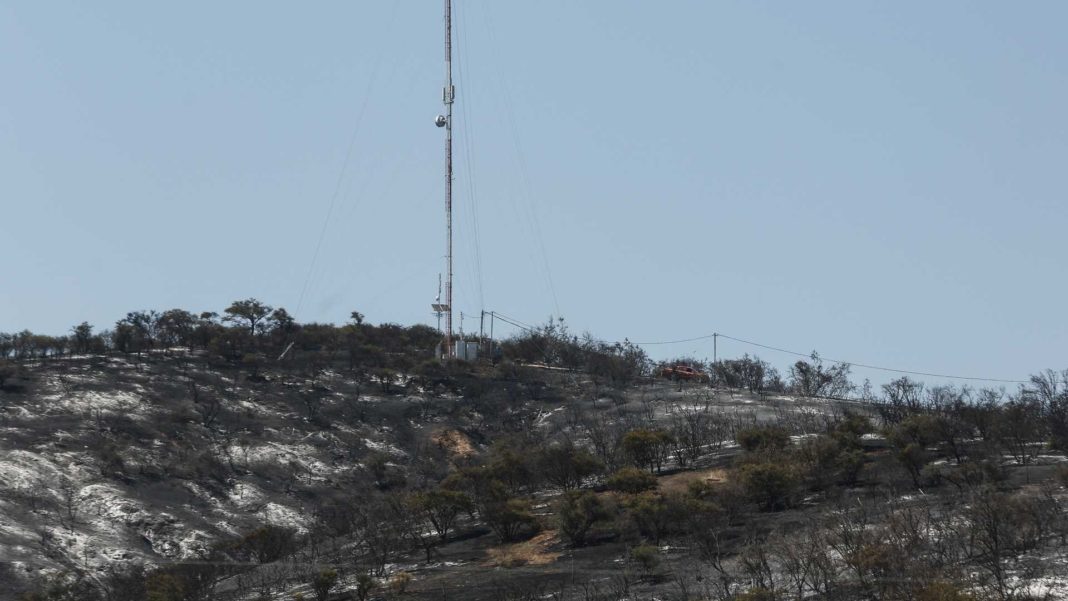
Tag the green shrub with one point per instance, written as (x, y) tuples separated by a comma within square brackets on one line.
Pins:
[(827, 461), (577, 513), (922, 430), (509, 519), (566, 466), (851, 429), (647, 557), (631, 480), (913, 458), (657, 515), (771, 484), (365, 585), (763, 438), (647, 448), (440, 507), (322, 582), (266, 544), (850, 464)]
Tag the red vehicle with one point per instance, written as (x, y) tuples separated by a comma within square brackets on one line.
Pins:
[(683, 372)]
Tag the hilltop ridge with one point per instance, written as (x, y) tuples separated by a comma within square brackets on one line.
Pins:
[(187, 457)]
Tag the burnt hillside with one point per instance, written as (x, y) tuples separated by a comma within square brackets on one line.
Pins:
[(263, 459)]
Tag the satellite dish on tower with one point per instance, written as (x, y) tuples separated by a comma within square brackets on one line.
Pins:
[(440, 121)]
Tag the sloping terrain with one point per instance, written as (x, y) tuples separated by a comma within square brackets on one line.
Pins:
[(498, 482), (110, 460), (114, 460)]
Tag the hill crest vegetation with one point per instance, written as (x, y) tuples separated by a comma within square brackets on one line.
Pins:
[(242, 455)]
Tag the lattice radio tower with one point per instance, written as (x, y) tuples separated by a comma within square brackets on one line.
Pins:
[(448, 95)]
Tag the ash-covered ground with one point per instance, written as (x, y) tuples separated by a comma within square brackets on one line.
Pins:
[(508, 482)]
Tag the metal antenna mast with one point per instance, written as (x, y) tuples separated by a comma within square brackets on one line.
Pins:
[(448, 95)]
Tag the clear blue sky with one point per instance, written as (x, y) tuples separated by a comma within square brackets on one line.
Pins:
[(883, 182)]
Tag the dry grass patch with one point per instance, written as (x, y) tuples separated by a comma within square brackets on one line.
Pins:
[(681, 481), (533, 552), (455, 443)]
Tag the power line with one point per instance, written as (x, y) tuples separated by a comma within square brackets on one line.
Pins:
[(531, 214), (344, 168), (518, 324), (676, 341), (522, 326), (467, 141), (879, 368), (839, 361)]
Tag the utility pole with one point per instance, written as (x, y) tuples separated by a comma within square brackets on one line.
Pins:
[(448, 95), (715, 349)]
